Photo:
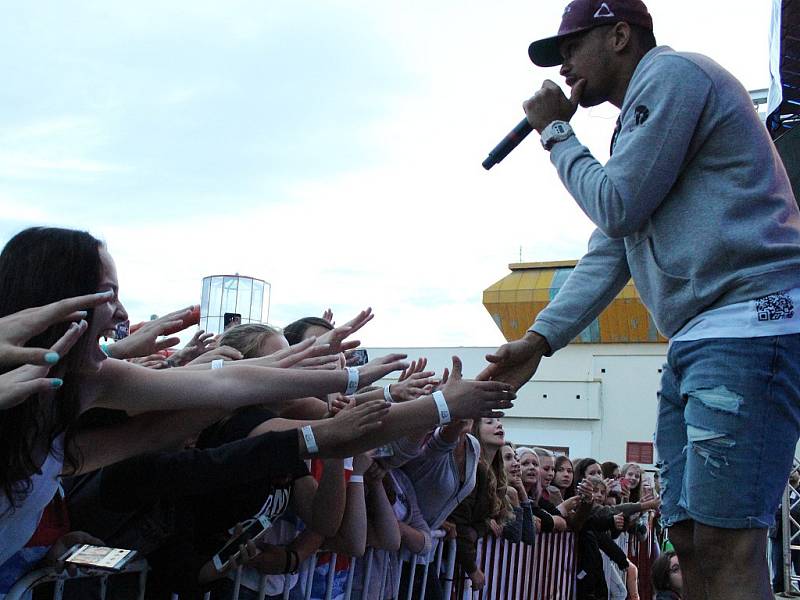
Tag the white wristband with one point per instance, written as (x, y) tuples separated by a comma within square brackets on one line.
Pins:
[(387, 394), (217, 363), (356, 479), (441, 406), (352, 381), (311, 442)]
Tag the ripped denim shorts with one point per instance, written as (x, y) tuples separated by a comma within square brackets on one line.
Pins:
[(728, 424)]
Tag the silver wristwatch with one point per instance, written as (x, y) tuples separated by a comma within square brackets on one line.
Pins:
[(557, 131)]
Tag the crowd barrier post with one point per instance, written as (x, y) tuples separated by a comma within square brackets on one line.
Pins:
[(39, 577), (450, 568), (350, 574)]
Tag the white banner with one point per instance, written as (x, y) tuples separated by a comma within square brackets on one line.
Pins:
[(775, 97)]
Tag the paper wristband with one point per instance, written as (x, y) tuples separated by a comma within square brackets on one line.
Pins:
[(311, 442), (356, 479), (217, 363), (441, 406), (352, 381), (387, 394)]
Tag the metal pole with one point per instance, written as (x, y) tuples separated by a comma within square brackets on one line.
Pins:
[(786, 541)]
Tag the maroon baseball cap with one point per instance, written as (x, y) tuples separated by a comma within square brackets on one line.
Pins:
[(582, 15)]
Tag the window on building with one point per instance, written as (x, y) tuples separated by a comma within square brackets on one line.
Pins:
[(639, 452)]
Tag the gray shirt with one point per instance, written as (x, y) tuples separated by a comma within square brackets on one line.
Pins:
[(435, 474), (694, 203)]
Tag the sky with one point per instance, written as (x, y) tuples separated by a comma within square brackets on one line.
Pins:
[(332, 148)]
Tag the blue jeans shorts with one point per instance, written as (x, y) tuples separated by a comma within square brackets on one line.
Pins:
[(728, 424)]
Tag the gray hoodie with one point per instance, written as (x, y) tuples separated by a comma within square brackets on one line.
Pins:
[(694, 203)]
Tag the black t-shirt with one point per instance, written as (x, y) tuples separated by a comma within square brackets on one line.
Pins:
[(270, 496)]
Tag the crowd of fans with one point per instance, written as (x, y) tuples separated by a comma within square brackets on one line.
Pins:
[(173, 453)]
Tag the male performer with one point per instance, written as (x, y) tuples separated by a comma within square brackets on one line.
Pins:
[(696, 206)]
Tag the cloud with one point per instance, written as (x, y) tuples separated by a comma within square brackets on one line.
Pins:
[(331, 148)]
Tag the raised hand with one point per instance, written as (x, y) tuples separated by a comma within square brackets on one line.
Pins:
[(336, 337), (19, 384), (412, 387), (416, 366), (144, 341), (200, 343), (17, 328), (348, 432), (468, 399), (369, 373), (387, 358), (585, 490), (328, 316), (516, 362)]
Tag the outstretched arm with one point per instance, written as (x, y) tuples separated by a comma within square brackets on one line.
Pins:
[(126, 386), (592, 285)]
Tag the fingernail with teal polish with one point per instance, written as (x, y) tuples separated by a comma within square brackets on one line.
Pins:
[(51, 357), (56, 383)]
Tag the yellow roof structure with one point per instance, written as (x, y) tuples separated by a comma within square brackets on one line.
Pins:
[(515, 300)]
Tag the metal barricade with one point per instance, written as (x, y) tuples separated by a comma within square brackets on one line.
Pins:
[(545, 571), (441, 557), (22, 588), (790, 535)]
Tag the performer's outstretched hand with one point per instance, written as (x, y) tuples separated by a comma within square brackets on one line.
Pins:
[(516, 362)]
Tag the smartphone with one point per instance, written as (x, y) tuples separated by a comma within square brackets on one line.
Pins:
[(254, 530), (383, 451), (358, 358), (122, 330), (98, 557), (231, 320)]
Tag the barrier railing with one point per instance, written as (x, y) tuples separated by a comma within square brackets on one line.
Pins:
[(790, 536), (441, 557), (23, 588), (545, 571)]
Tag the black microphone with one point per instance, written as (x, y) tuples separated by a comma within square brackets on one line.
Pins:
[(509, 142)]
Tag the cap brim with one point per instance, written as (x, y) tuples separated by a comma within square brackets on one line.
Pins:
[(544, 53)]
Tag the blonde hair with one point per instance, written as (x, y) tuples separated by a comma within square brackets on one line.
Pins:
[(248, 337), (536, 489), (635, 493)]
